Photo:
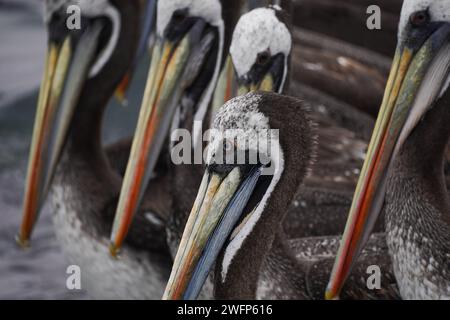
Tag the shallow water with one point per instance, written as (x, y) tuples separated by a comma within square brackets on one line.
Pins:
[(39, 272)]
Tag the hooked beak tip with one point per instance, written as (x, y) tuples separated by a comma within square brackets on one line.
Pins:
[(114, 251), (23, 242), (329, 295), (121, 98)]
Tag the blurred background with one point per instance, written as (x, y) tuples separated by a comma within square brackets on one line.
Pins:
[(40, 273)]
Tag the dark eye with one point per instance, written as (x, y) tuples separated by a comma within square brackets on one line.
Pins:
[(228, 145), (420, 18), (179, 16), (263, 58)]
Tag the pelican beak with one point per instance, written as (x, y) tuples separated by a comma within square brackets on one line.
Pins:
[(219, 206), (121, 91), (175, 66), (266, 84), (227, 86), (147, 23), (269, 78), (419, 73), (66, 70)]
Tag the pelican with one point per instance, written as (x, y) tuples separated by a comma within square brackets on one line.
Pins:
[(403, 173), (236, 219), (67, 162)]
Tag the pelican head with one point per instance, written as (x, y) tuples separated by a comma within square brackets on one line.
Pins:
[(185, 65), (78, 57), (237, 198), (418, 81), (259, 55)]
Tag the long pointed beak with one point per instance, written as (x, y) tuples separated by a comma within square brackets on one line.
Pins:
[(217, 209), (122, 88), (226, 88), (65, 72), (168, 78), (147, 23), (406, 97)]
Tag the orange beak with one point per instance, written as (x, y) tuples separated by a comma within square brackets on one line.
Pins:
[(66, 70), (157, 109)]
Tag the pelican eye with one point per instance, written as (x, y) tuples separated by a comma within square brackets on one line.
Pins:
[(228, 145), (420, 18), (179, 16), (263, 58)]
